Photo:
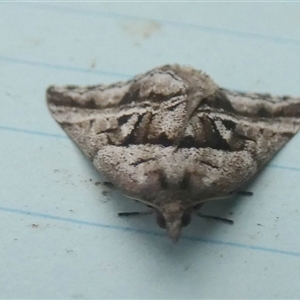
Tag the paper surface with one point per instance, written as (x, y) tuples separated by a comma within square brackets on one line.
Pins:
[(60, 234)]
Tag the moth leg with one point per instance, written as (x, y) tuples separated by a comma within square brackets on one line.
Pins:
[(135, 213), (241, 193), (227, 221), (109, 185), (245, 193)]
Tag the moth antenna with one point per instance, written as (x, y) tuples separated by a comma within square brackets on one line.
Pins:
[(245, 193), (227, 221), (135, 213)]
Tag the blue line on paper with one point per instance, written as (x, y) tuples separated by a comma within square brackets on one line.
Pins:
[(120, 228), (119, 16)]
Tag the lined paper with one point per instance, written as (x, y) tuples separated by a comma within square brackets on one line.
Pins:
[(61, 237)]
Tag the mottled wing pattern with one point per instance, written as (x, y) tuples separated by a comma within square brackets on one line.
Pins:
[(173, 130), (114, 124)]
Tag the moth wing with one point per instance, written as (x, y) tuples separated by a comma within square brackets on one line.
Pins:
[(86, 113), (265, 123), (114, 124), (237, 134), (88, 116)]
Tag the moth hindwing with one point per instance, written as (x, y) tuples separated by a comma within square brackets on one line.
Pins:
[(173, 138)]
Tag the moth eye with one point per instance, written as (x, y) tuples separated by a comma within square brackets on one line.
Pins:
[(160, 220), (186, 219)]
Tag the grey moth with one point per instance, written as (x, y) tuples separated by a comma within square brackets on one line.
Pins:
[(173, 139)]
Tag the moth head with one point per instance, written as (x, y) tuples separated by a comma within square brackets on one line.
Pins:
[(173, 217)]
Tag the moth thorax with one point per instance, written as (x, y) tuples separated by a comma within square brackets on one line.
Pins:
[(173, 216)]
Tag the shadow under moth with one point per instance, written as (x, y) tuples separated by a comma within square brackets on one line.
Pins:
[(174, 139)]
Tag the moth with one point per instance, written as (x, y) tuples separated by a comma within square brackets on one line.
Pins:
[(173, 139)]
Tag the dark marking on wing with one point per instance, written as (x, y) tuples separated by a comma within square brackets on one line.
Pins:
[(184, 184), (230, 125), (190, 142), (123, 119), (131, 95), (163, 180), (141, 160), (216, 140), (163, 140), (264, 113), (218, 101)]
